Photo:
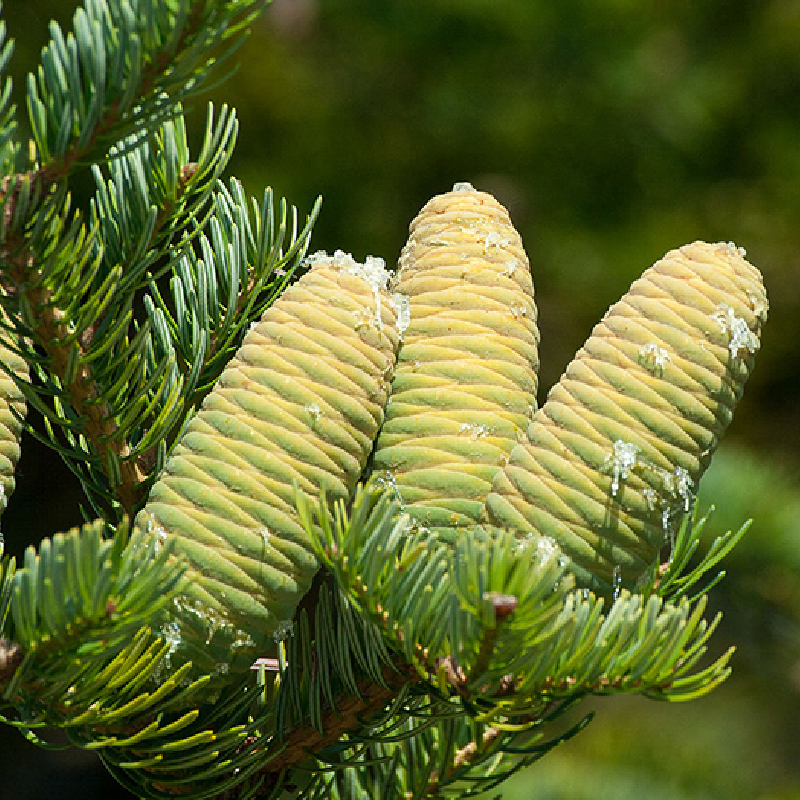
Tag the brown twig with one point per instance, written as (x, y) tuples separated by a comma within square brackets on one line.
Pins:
[(302, 743), (52, 333)]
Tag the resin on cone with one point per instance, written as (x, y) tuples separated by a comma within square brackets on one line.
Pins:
[(300, 404), (613, 458), (464, 388)]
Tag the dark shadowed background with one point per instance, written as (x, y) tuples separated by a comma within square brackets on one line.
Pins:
[(613, 130)]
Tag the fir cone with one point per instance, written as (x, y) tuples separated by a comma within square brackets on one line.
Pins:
[(613, 458), (300, 404), (12, 409), (464, 387)]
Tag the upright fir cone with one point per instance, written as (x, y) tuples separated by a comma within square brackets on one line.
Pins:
[(300, 403), (614, 456), (464, 387)]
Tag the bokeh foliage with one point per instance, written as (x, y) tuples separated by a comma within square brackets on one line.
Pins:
[(612, 130)]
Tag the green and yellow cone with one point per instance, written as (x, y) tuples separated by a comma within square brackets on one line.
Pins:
[(613, 457), (12, 409), (464, 387), (300, 404)]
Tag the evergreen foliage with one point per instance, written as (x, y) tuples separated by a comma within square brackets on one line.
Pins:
[(418, 665)]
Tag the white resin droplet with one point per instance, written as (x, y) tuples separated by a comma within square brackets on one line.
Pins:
[(387, 480), (403, 310), (314, 410), (760, 307), (376, 293), (510, 267), (493, 239), (651, 497), (738, 250), (159, 532), (474, 431), (616, 582), (463, 186), (684, 486), (518, 310), (546, 548), (373, 271), (667, 526), (653, 357), (741, 337), (312, 259), (621, 461), (418, 527), (171, 633)]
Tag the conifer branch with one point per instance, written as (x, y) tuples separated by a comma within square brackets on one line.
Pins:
[(146, 91), (350, 715), (51, 331), (96, 425), (425, 659), (36, 196)]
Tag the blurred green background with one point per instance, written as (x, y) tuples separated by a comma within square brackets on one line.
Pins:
[(613, 130)]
